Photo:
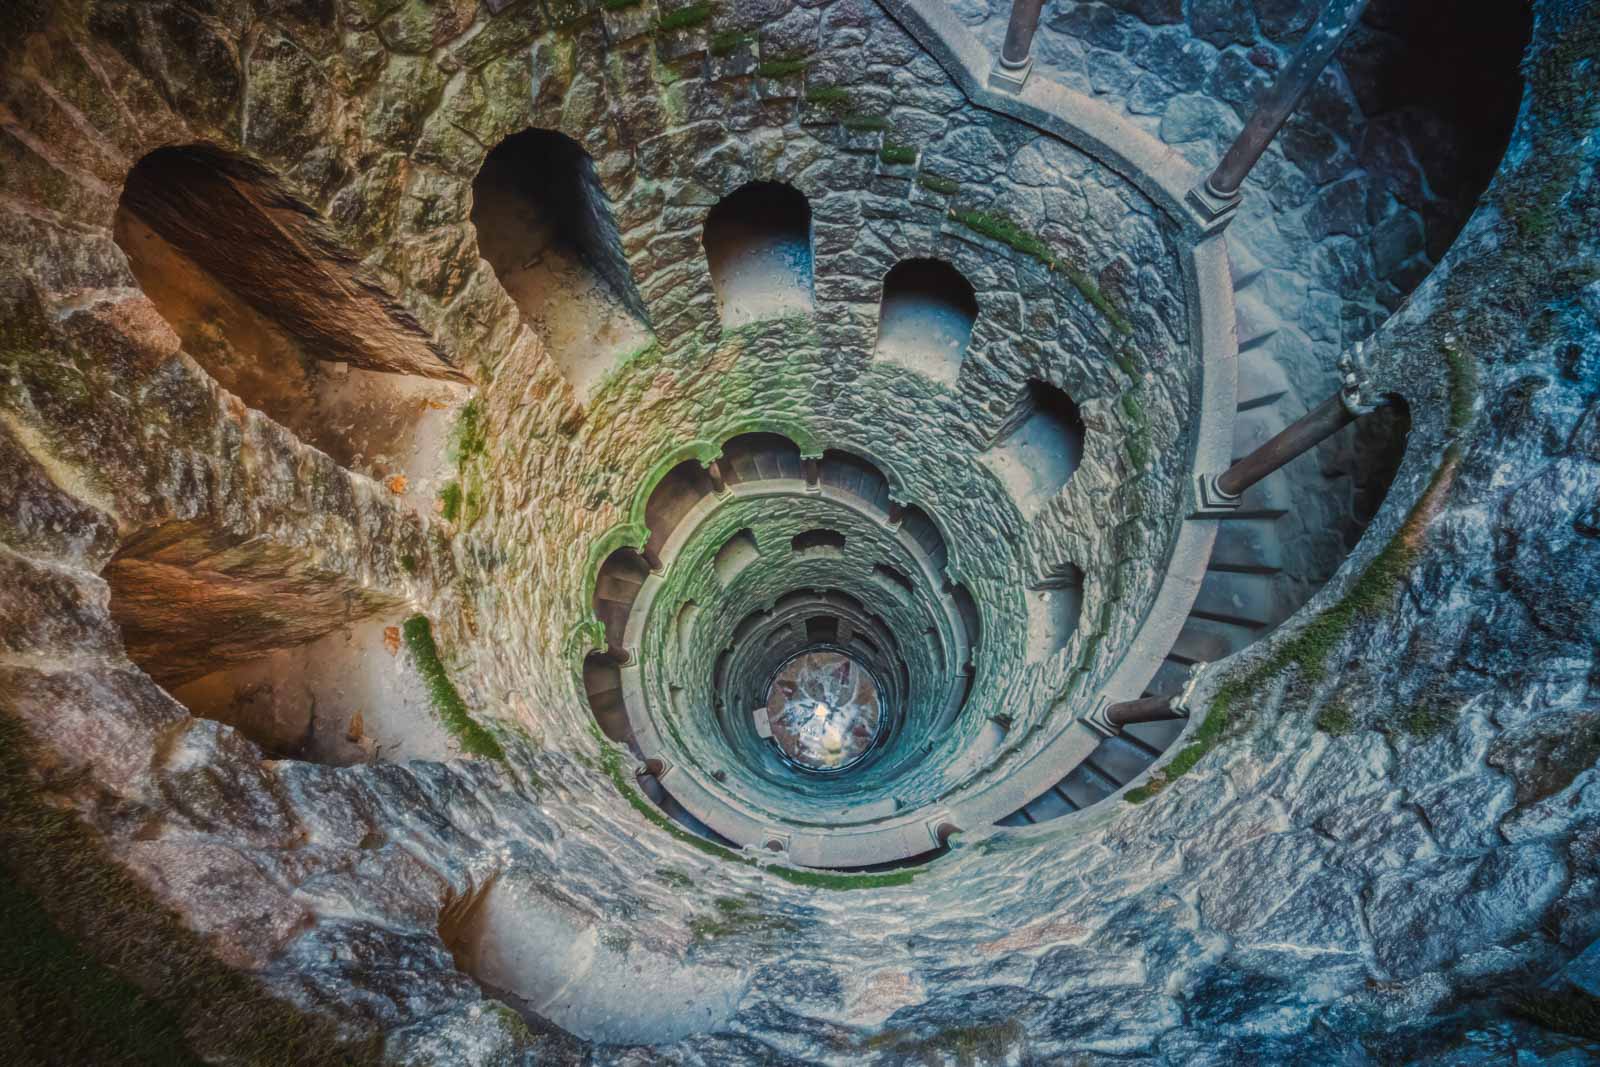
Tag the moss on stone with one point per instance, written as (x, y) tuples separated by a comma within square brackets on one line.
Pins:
[(897, 154), (833, 97), (782, 68), (686, 17), (727, 41), (1426, 720), (969, 1045), (1007, 231), (1336, 720), (857, 121), (469, 437), (739, 916), (673, 878), (442, 694), (450, 501), (1370, 597), (77, 925), (935, 184), (619, 5), (408, 563)]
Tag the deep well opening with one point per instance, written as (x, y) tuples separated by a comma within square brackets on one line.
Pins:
[(926, 317), (653, 600), (758, 249), (283, 318), (545, 226)]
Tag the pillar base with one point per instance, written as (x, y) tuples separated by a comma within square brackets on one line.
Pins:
[(1010, 79), (1212, 211), (1211, 502)]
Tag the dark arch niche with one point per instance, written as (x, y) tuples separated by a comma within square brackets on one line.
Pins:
[(926, 318), (264, 298), (1040, 446), (545, 226), (758, 250)]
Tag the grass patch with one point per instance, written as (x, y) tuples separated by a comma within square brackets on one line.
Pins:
[(1006, 230), (969, 1045), (1336, 720), (864, 122), (469, 437), (734, 916), (611, 765), (442, 693), (1370, 597), (450, 501), (686, 17), (897, 154), (727, 41), (1426, 720), (782, 68), (935, 184), (76, 922), (832, 97)]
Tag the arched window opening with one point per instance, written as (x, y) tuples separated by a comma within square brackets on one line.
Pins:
[(895, 579), (926, 318), (817, 540), (615, 589), (602, 682), (734, 556), (758, 250), (270, 305), (756, 457), (545, 226), (917, 525), (856, 476), (1053, 611), (337, 700), (674, 497), (1040, 447)]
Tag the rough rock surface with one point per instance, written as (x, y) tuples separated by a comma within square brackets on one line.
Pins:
[(1393, 843)]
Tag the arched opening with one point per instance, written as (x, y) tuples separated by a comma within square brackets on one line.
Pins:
[(602, 683), (737, 553), (1053, 611), (895, 579), (755, 457), (926, 318), (1039, 447), (674, 497), (817, 540), (545, 226), (758, 250), (266, 301), (859, 477), (615, 589)]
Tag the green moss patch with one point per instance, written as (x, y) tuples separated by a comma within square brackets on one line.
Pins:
[(782, 68), (969, 1045), (619, 5), (76, 924), (1007, 231), (897, 155), (864, 122), (935, 184), (832, 97), (1370, 597), (442, 693), (469, 437), (739, 916), (686, 17), (1336, 720), (729, 41)]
